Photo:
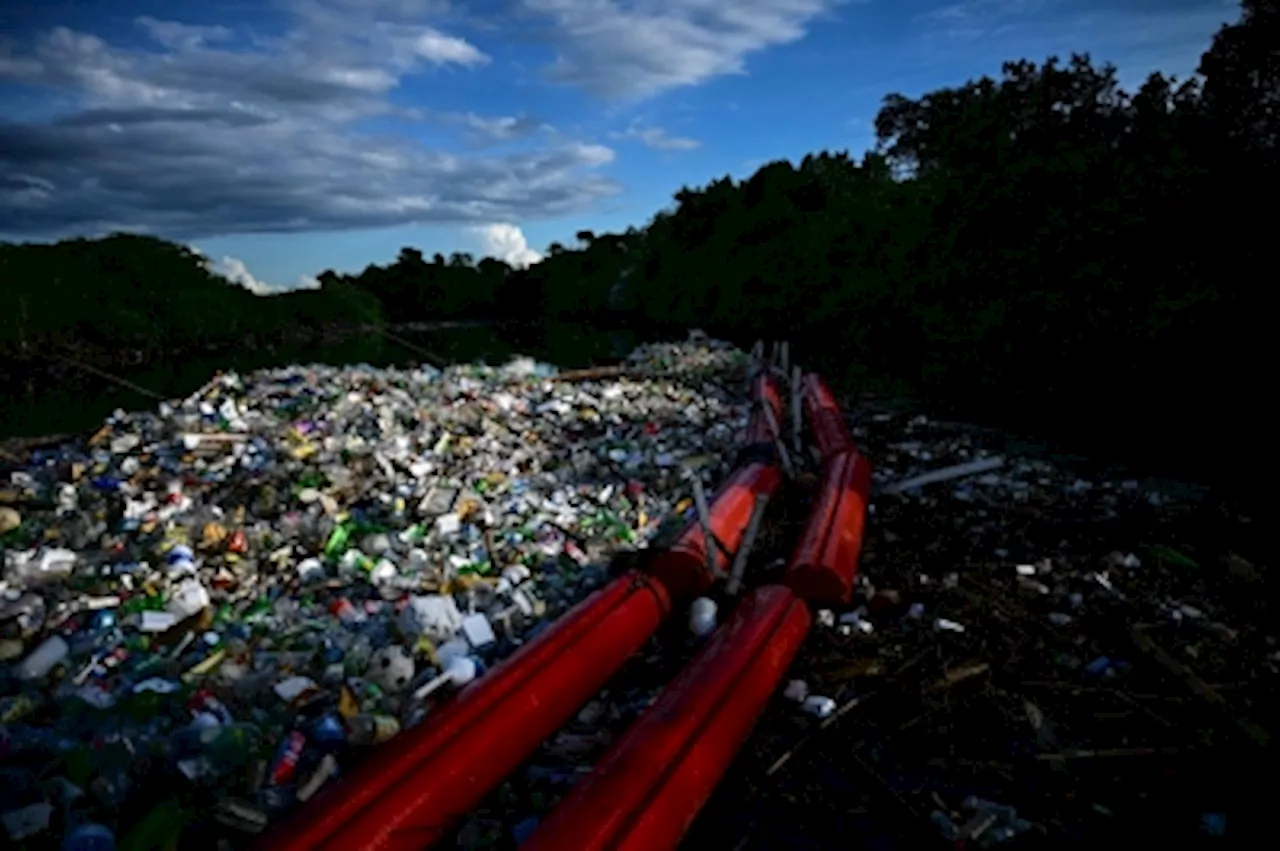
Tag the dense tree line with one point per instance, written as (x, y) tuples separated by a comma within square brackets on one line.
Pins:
[(149, 296), (1045, 245), (413, 288)]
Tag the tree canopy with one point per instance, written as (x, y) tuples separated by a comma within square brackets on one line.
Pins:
[(146, 293)]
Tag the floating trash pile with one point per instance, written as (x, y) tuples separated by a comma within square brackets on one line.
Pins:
[(210, 611), (1035, 656)]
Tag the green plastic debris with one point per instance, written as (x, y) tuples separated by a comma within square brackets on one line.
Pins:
[(1169, 555), (160, 830), (338, 540)]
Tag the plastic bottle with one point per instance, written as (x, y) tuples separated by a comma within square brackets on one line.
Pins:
[(369, 729), (288, 755), (90, 837), (702, 617), (818, 705), (52, 651)]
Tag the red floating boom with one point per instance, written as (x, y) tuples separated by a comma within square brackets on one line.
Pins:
[(825, 562), (647, 790), (682, 568), (825, 420), (411, 792)]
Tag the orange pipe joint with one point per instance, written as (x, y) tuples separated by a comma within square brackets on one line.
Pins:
[(412, 792), (646, 791), (682, 567), (826, 423), (825, 561), (764, 391), (758, 432), (764, 388)]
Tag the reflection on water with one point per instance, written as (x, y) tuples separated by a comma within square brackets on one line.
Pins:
[(83, 400)]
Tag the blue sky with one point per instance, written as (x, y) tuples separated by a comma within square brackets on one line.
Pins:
[(290, 136)]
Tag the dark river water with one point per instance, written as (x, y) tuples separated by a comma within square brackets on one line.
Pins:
[(81, 401)]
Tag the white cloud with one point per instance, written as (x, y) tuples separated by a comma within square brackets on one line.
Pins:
[(435, 46), (638, 48), (213, 131), (235, 271), (594, 154), (507, 242), (657, 138)]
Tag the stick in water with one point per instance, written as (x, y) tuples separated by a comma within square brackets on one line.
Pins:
[(796, 420), (704, 520), (783, 457), (123, 382), (430, 357), (946, 474), (748, 541), (203, 391)]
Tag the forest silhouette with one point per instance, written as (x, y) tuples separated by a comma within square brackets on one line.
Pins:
[(1046, 247)]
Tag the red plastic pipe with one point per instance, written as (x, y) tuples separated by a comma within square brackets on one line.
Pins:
[(758, 431), (764, 391), (830, 433), (764, 387), (682, 567), (825, 562), (672, 811), (410, 792), (645, 792)]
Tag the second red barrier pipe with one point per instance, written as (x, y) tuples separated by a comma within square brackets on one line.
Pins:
[(647, 789), (673, 807), (825, 562), (826, 422)]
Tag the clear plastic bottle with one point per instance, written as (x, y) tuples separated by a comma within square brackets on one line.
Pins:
[(90, 837)]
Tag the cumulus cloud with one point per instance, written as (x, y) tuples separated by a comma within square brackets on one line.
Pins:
[(637, 48), (657, 138), (214, 131), (439, 48), (507, 242), (235, 271)]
